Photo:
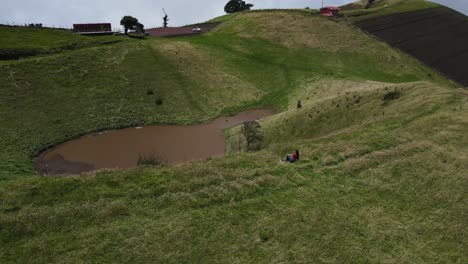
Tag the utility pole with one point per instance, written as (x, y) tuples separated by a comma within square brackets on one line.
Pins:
[(322, 3)]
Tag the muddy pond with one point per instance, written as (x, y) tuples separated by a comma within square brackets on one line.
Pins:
[(121, 149)]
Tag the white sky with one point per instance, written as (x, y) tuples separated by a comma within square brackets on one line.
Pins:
[(64, 13)]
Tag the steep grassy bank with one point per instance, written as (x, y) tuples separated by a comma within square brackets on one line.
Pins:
[(382, 178), (51, 99), (385, 188)]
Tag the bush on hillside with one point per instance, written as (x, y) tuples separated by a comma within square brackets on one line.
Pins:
[(134, 36), (234, 6), (369, 3), (392, 96), (238, 143), (252, 135)]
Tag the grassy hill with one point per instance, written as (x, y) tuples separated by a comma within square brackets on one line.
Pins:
[(17, 42), (382, 179)]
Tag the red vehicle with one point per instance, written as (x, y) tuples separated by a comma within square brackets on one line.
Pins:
[(329, 11)]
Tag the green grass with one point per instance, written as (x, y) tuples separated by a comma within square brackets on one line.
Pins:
[(362, 194), (379, 181), (34, 41)]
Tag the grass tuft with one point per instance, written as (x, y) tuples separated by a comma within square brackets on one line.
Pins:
[(159, 101), (149, 159)]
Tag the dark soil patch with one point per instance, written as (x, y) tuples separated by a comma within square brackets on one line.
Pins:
[(437, 37)]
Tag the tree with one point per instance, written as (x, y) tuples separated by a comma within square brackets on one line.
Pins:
[(252, 134), (237, 142), (165, 19), (369, 3), (38, 25), (236, 6), (129, 23), (140, 28)]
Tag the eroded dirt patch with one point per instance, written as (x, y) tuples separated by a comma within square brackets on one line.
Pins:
[(56, 164)]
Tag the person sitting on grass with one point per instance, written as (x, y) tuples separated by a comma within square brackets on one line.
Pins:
[(293, 157)]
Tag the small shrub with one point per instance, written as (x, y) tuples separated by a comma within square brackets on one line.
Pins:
[(264, 235), (149, 159), (252, 134), (358, 99), (238, 143), (136, 36), (159, 101), (392, 96), (149, 92), (369, 3)]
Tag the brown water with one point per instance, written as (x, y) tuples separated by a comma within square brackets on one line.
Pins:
[(120, 149)]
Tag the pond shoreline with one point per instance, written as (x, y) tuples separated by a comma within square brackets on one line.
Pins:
[(121, 148)]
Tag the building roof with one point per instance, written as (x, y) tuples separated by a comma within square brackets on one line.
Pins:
[(91, 24), (331, 8)]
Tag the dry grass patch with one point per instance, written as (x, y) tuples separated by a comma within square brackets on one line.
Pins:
[(220, 86), (304, 30)]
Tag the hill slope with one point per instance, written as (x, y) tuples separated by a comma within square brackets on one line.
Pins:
[(48, 100), (445, 30), (19, 42), (382, 178)]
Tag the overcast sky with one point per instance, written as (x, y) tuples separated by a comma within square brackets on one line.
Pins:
[(64, 13)]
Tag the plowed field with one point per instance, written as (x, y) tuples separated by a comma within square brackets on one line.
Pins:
[(438, 37)]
